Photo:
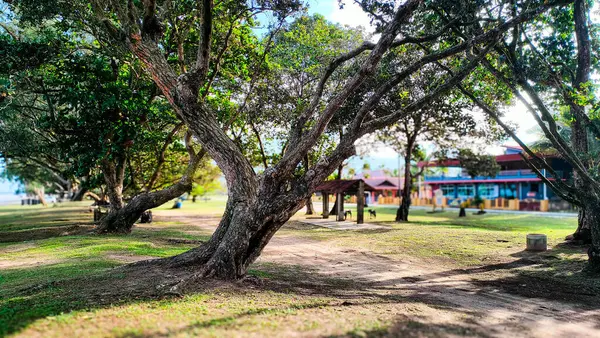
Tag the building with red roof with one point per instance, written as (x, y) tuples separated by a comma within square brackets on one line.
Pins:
[(514, 181)]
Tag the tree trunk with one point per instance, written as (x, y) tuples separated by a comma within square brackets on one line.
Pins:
[(114, 175), (40, 194), (122, 220), (402, 213), (403, 210), (579, 133), (238, 241), (78, 196), (584, 227), (592, 217)]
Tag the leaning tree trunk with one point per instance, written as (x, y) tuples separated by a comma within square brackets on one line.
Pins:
[(123, 219), (78, 196), (242, 234), (40, 194)]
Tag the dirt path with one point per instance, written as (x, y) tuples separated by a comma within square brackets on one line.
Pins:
[(456, 305)]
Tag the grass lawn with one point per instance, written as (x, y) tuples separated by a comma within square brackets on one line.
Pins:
[(462, 242), (492, 244), (62, 283)]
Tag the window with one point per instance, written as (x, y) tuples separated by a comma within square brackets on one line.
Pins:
[(508, 190), (466, 190), (448, 190), (488, 191), (535, 187)]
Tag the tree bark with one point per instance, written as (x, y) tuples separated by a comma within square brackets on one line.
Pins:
[(122, 220), (403, 210), (579, 136), (114, 175), (584, 226), (242, 234), (592, 216)]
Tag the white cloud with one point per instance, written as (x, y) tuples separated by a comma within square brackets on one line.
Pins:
[(522, 118), (351, 15)]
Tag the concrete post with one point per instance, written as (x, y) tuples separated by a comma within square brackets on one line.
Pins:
[(340, 206), (360, 207), (325, 205), (544, 185)]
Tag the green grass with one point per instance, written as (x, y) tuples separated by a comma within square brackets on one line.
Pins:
[(66, 286), (62, 286), (462, 242), (493, 241)]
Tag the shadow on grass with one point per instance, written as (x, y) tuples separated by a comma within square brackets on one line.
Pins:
[(490, 221), (44, 233), (32, 293), (418, 326), (31, 219)]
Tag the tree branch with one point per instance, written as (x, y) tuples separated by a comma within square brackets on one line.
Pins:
[(200, 69), (161, 157)]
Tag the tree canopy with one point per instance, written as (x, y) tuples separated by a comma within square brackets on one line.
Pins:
[(313, 89)]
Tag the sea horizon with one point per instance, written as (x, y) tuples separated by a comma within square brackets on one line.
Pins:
[(7, 198)]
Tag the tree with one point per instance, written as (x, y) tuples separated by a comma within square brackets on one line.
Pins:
[(259, 204), (443, 123), (88, 115), (478, 164), (299, 54), (550, 73)]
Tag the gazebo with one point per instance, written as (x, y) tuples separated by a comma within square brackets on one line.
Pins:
[(341, 188)]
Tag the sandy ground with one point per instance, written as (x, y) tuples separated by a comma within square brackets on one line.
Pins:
[(452, 299)]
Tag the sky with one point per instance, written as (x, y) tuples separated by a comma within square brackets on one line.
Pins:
[(6, 187), (353, 16)]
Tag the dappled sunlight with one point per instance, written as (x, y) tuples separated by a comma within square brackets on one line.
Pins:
[(430, 275)]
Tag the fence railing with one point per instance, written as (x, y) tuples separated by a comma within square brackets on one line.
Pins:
[(504, 174)]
